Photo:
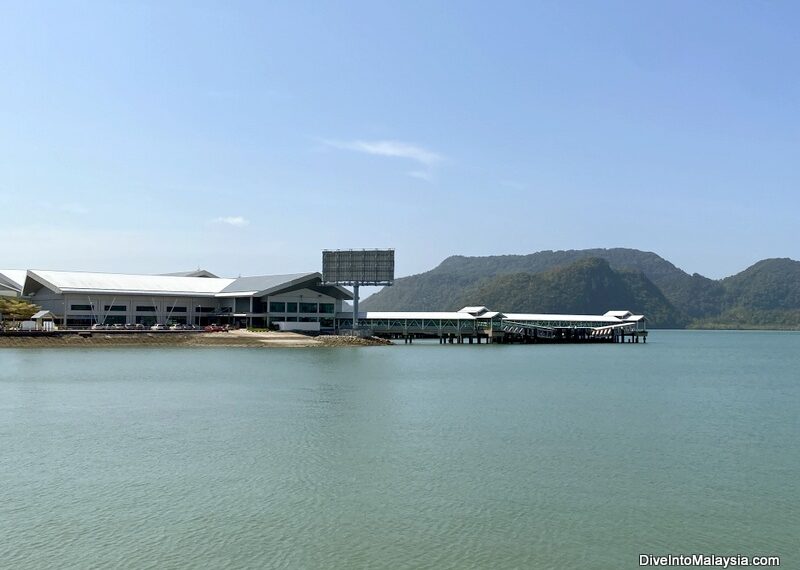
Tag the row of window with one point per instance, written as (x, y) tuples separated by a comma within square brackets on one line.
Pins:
[(323, 321), (142, 309), (281, 307), (274, 307)]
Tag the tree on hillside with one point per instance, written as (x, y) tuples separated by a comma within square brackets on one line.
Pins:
[(14, 309)]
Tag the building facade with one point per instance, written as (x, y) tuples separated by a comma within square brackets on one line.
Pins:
[(80, 300)]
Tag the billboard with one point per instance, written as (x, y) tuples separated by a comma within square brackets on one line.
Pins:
[(358, 266)]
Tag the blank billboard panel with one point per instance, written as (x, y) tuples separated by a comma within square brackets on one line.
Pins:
[(358, 266)]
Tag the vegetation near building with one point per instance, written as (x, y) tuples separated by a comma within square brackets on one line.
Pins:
[(15, 309)]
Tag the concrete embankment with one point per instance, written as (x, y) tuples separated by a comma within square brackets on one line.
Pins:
[(239, 338)]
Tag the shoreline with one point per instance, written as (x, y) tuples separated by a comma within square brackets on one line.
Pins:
[(231, 339)]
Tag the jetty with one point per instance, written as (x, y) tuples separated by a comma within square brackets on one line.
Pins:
[(476, 325)]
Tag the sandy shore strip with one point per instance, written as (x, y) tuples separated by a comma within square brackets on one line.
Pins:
[(235, 338)]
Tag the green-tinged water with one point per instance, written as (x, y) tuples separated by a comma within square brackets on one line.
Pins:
[(421, 456)]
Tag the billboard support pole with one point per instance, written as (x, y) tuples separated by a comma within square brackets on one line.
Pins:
[(355, 307)]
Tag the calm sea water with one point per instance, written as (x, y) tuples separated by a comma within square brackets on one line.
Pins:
[(422, 456)]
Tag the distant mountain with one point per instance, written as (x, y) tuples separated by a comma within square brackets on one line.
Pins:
[(587, 286), (765, 294), (695, 295), (767, 285)]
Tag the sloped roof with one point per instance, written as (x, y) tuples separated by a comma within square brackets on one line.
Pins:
[(122, 283), (548, 317), (41, 315), (195, 273), (266, 284), (490, 315), (175, 285), (13, 277), (618, 314), (400, 315), (474, 310)]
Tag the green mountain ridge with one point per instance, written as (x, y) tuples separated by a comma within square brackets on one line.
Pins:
[(767, 294), (587, 286)]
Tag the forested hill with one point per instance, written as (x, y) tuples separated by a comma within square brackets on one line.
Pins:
[(587, 286), (435, 289), (763, 295)]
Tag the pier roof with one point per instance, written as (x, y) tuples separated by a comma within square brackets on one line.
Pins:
[(475, 311), (410, 315), (552, 317)]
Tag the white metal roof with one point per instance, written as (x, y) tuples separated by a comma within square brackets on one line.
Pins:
[(549, 317), (618, 314), (41, 315), (635, 318), (473, 310), (121, 283), (400, 315), (195, 273), (14, 277), (175, 285), (266, 284), (490, 315)]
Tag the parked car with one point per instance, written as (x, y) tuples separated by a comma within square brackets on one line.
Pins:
[(215, 328), (158, 327), (98, 327)]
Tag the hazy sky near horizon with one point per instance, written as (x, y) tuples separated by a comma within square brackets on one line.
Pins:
[(246, 137)]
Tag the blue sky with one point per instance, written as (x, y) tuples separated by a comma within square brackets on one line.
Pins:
[(246, 137)]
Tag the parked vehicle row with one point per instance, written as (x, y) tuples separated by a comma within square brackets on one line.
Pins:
[(141, 327)]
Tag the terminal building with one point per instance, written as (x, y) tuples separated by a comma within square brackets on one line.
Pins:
[(82, 299)]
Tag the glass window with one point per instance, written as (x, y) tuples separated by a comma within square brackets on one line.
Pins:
[(326, 322), (118, 308), (291, 307), (275, 307), (204, 309), (80, 308), (145, 309), (176, 309), (308, 307), (308, 319), (326, 308)]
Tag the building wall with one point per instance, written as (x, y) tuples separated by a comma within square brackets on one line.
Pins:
[(304, 305), (85, 310), (8, 292)]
